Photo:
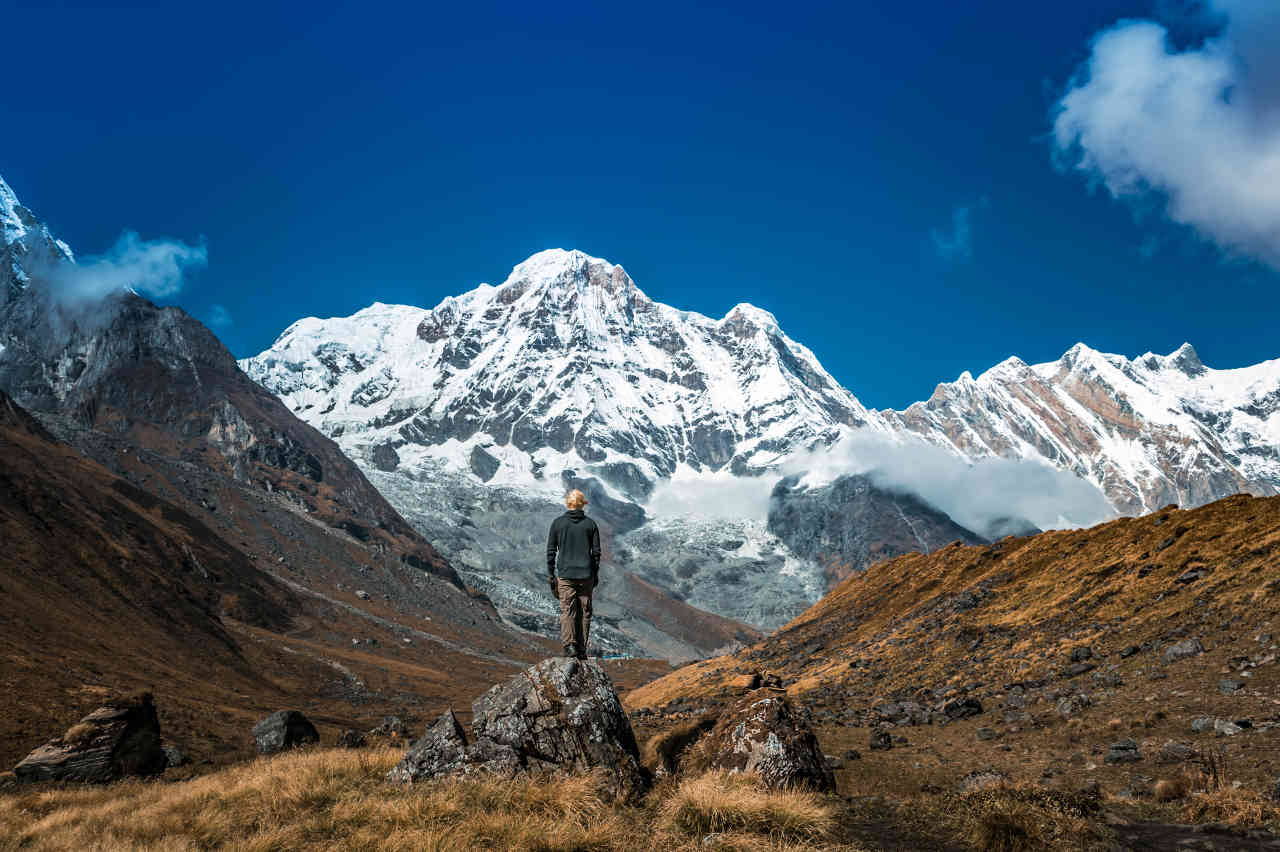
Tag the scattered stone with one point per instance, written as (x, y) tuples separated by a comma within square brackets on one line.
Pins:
[(1176, 752), (852, 754), (1073, 705), (362, 594), (962, 708), (986, 734), (1077, 669), (173, 756), (391, 727), (562, 715), (1129, 652), (120, 738), (1200, 724), (1124, 751), (832, 761), (1182, 650), (880, 741), (284, 729), (1224, 728), (351, 739), (1079, 655), (1227, 686)]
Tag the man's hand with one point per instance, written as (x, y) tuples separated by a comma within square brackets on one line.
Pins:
[(555, 587)]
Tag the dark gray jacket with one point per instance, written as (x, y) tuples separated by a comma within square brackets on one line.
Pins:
[(573, 546)]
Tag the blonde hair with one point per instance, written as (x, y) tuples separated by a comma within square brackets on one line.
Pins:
[(575, 499)]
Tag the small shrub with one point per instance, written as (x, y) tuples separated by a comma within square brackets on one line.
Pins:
[(1170, 789)]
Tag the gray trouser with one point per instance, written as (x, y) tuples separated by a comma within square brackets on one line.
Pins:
[(575, 612)]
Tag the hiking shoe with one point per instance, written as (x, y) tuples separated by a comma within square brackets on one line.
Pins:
[(571, 650)]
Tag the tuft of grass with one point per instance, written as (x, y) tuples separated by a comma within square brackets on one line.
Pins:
[(1024, 818), (1171, 789), (718, 803), (1236, 807)]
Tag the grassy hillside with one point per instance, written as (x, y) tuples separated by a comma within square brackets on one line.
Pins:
[(999, 624)]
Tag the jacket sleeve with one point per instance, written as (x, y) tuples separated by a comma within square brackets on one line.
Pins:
[(595, 548), (553, 543)]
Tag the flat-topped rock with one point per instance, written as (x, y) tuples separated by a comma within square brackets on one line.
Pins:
[(118, 739)]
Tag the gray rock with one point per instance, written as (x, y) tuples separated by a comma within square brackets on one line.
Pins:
[(351, 739), (1129, 651), (483, 463), (1227, 686), (1077, 669), (1182, 650), (284, 729), (986, 734), (961, 708), (880, 741), (1073, 705), (173, 756), (362, 594), (1225, 728), (761, 734), (560, 715), (1176, 752), (1200, 724), (1079, 655), (1124, 751), (118, 739)]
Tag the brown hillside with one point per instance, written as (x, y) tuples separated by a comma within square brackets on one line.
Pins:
[(107, 588), (999, 623)]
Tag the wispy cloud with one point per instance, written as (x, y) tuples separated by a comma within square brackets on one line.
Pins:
[(219, 317), (955, 243), (154, 267), (1196, 129)]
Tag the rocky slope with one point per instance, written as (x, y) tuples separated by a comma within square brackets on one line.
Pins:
[(361, 614), (1116, 654), (851, 523)]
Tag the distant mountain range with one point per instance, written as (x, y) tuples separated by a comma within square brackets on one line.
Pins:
[(567, 365)]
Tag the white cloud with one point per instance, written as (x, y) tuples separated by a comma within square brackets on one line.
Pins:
[(219, 317), (154, 267), (1197, 129), (973, 495)]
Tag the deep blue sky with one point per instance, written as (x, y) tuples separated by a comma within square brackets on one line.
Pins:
[(797, 156)]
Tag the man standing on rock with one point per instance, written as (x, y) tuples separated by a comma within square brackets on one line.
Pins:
[(573, 569)]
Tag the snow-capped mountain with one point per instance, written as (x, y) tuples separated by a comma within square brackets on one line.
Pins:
[(567, 364), (21, 234), (1156, 430)]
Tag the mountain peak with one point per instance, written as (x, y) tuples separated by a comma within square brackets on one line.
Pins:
[(12, 219)]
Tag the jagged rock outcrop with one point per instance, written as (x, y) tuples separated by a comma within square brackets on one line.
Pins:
[(763, 734), (852, 522), (562, 715), (284, 729), (120, 738)]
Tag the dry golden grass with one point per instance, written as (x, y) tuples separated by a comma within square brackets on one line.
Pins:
[(1025, 818), (717, 802), (338, 799), (1171, 789), (1238, 808)]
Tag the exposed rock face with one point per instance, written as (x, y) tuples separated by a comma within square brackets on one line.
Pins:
[(118, 739), (762, 734), (561, 715), (284, 729), (851, 523)]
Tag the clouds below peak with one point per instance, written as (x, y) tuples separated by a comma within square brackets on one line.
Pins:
[(1197, 129)]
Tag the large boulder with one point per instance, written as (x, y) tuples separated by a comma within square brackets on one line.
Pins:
[(562, 715), (284, 729), (120, 738), (763, 735)]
